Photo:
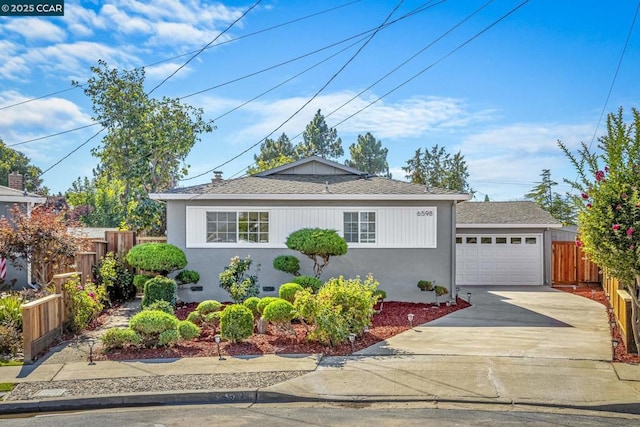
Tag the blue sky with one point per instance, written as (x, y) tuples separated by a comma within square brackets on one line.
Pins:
[(503, 99)]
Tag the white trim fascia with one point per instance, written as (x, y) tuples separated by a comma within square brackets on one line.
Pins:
[(289, 197), (23, 199), (508, 225)]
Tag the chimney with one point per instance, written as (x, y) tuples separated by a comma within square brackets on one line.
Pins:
[(15, 181), (217, 176)]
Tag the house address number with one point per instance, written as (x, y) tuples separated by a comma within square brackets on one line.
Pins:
[(425, 213)]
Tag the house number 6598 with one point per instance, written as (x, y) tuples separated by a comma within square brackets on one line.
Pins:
[(425, 213)]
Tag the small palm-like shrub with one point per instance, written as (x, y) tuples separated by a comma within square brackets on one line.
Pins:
[(160, 288), (236, 322), (149, 324), (208, 306), (288, 291), (161, 305), (308, 282), (236, 279), (265, 302), (188, 330), (161, 258), (119, 338)]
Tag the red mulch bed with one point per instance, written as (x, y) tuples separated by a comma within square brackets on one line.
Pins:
[(391, 321), (587, 291)]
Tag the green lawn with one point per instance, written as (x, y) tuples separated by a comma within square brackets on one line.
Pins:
[(10, 363), (4, 387)]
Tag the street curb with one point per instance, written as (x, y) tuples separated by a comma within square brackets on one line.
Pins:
[(257, 396)]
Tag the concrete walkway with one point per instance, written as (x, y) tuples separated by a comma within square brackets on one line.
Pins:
[(537, 322)]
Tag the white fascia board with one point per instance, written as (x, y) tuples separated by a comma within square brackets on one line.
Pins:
[(23, 199), (288, 197), (508, 225)]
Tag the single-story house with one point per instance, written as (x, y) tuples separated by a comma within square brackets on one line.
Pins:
[(12, 195), (398, 231), (504, 243)]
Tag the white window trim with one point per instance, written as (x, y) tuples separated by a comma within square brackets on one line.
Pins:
[(359, 244)]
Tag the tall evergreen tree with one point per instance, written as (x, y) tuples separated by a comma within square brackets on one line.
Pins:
[(437, 168), (320, 140), (544, 196), (369, 156), (274, 149)]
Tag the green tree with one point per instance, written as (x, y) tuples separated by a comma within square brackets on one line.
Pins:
[(147, 140), (319, 140), (369, 156), (14, 161), (96, 202), (609, 204), (437, 168), (264, 165), (274, 149), (543, 195), (317, 244)]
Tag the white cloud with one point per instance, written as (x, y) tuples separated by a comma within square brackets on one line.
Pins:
[(36, 29), (161, 71)]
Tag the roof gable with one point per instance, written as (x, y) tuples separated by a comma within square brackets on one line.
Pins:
[(505, 214), (312, 165)]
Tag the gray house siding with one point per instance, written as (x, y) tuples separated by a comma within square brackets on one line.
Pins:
[(546, 236), (397, 270)]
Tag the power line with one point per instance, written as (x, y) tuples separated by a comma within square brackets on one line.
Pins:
[(70, 153), (192, 52), (315, 95), (52, 135)]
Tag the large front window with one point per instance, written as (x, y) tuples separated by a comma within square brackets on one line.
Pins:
[(233, 227), (360, 227)]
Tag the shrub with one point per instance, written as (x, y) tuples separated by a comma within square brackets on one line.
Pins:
[(280, 313), (441, 290), (208, 306), (287, 263), (10, 311), (195, 317), (234, 279), (149, 324), (212, 319), (252, 304), (318, 244), (188, 276), (159, 288), (140, 279), (341, 307), (112, 273), (119, 338), (288, 291), (168, 338), (161, 258), (161, 305), (265, 302), (308, 282), (188, 330), (425, 285), (379, 294), (10, 339), (236, 322), (83, 303)]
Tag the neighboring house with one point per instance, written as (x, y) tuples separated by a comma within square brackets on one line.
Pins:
[(504, 243), (10, 196), (398, 231)]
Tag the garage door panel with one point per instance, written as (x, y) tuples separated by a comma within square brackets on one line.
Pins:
[(519, 261)]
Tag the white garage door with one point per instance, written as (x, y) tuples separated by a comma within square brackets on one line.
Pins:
[(514, 259)]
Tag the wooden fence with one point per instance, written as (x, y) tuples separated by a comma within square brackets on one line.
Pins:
[(571, 266), (620, 301)]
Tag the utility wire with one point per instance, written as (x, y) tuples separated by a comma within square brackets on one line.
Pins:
[(315, 95), (70, 153), (53, 134), (192, 52)]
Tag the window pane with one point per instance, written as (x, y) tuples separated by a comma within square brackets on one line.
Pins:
[(472, 240), (221, 227), (458, 240), (501, 240), (530, 240), (486, 240), (516, 240)]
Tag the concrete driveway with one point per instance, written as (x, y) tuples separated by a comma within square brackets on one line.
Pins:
[(538, 322)]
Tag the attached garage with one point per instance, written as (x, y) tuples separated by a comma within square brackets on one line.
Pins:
[(503, 243)]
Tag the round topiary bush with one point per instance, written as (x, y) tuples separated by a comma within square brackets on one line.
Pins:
[(149, 324), (279, 312), (309, 282), (161, 305), (252, 304), (287, 263), (119, 338), (168, 338), (236, 322), (208, 306), (188, 330), (195, 317), (160, 288), (265, 302), (162, 258), (140, 279), (288, 291)]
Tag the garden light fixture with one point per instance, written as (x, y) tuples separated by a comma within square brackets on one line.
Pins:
[(469, 297), (457, 291), (574, 288), (91, 342), (593, 293), (352, 338), (216, 338), (410, 318)]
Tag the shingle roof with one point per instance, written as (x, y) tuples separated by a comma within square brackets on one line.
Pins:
[(523, 212), (13, 195), (309, 185)]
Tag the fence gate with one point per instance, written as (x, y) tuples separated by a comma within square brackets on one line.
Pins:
[(571, 266)]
